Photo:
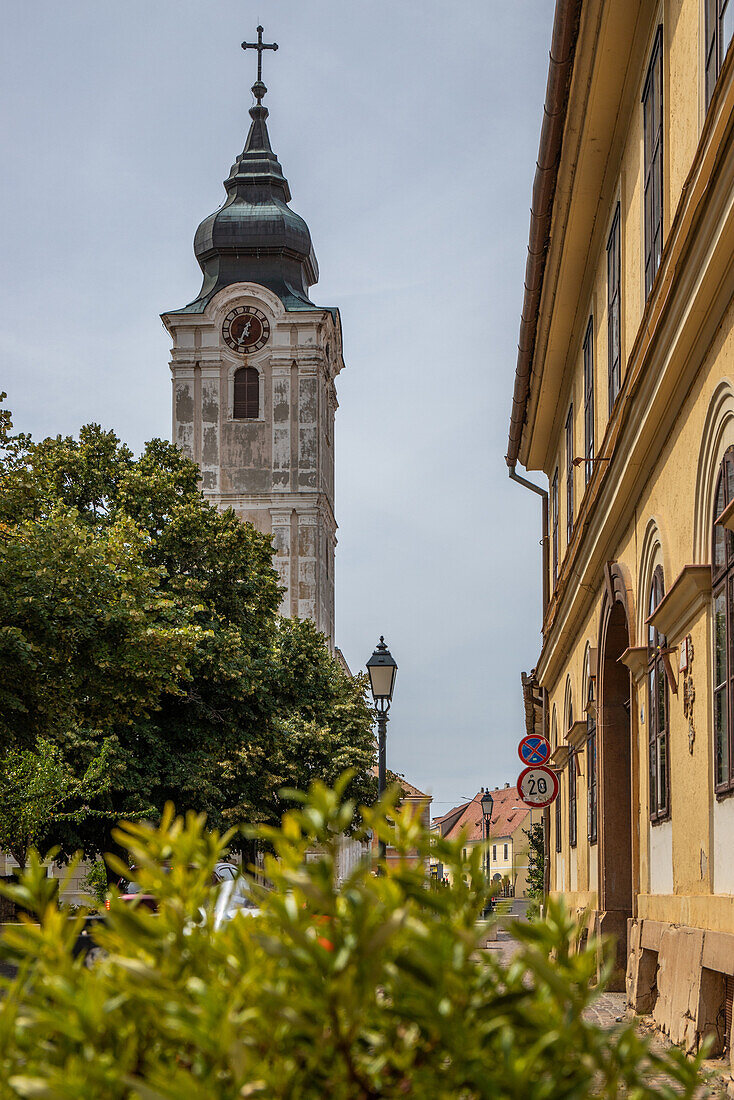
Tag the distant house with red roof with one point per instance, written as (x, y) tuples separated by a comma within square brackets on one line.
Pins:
[(421, 806), (508, 844)]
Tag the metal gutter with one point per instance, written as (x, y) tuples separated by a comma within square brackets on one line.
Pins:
[(560, 70)]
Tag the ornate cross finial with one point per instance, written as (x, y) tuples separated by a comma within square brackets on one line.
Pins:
[(258, 88)]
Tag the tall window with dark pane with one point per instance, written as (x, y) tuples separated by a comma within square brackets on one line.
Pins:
[(569, 475), (614, 333), (723, 595), (591, 790), (558, 817), (572, 833), (589, 399), (554, 525), (657, 718), (246, 394), (652, 110), (719, 31)]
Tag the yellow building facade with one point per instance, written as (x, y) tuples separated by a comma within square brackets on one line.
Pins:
[(624, 399)]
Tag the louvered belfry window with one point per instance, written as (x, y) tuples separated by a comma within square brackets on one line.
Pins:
[(246, 394)]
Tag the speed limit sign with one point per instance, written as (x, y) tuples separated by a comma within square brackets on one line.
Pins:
[(537, 786)]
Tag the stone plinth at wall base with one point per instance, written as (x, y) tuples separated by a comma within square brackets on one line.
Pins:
[(613, 922), (488, 933), (678, 975)]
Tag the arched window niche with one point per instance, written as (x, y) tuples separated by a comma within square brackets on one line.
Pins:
[(246, 398)]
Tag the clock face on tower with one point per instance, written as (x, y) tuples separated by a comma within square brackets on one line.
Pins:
[(245, 329)]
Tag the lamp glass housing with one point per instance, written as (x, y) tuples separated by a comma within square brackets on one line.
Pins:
[(487, 804), (382, 669)]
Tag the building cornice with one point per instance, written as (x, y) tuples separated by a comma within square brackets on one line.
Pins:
[(675, 330)]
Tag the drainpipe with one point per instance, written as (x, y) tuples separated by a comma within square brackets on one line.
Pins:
[(544, 541), (543, 494)]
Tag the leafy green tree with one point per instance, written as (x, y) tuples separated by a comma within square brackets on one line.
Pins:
[(374, 988), (536, 859), (89, 640), (35, 786), (136, 613), (94, 882)]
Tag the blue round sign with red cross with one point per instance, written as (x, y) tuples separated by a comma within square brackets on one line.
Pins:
[(534, 750)]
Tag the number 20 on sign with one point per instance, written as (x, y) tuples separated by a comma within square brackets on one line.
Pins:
[(537, 786)]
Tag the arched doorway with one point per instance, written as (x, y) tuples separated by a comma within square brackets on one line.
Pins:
[(615, 785)]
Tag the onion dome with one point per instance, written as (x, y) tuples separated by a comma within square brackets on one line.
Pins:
[(255, 236)]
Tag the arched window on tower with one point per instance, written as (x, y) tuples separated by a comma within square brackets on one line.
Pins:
[(658, 724), (246, 394), (722, 571)]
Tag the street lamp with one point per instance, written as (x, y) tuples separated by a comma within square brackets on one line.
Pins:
[(382, 669), (487, 803)]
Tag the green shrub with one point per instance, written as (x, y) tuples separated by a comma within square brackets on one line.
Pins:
[(94, 882), (373, 988)]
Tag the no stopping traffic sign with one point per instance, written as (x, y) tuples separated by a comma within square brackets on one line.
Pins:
[(534, 749), (537, 786)]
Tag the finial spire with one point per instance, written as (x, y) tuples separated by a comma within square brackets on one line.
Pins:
[(258, 88)]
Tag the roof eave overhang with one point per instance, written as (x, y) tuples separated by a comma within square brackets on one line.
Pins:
[(560, 70), (607, 44)]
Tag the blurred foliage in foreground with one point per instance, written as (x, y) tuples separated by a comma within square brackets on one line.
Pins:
[(372, 988)]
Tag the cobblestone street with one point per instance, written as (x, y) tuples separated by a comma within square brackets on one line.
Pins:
[(608, 1010)]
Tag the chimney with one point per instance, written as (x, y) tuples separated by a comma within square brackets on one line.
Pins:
[(507, 786)]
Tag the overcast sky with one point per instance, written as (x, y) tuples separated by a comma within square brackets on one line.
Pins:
[(408, 131)]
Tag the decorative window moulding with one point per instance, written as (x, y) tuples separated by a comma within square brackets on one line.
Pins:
[(576, 736), (726, 519), (591, 662), (559, 757), (683, 602), (636, 658)]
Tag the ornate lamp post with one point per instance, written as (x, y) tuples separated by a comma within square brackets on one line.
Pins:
[(382, 670), (487, 803)]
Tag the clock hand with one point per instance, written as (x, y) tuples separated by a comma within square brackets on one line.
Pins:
[(245, 330)]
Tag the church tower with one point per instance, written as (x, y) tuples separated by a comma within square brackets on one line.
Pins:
[(254, 363)]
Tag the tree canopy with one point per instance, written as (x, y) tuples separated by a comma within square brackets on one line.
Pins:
[(137, 616)]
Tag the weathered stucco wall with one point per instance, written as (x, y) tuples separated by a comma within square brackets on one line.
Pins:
[(275, 470), (648, 503)]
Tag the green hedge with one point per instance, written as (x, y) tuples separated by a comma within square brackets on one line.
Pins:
[(374, 988)]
